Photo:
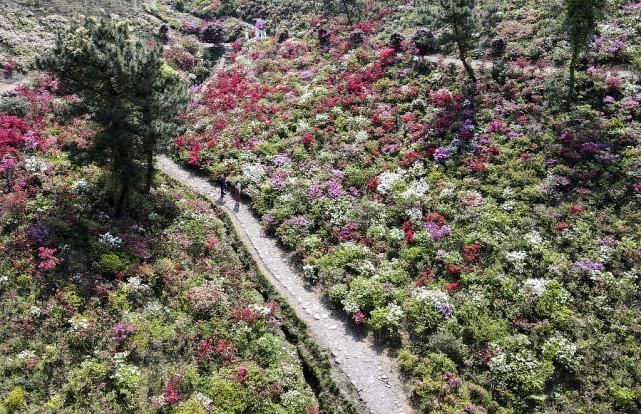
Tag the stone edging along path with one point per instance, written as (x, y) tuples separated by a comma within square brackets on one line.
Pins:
[(374, 374)]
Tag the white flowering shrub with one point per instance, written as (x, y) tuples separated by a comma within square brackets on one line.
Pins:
[(35, 165), (534, 286), (126, 376), (415, 191), (80, 186), (562, 351), (253, 173), (517, 367), (517, 259), (109, 240), (388, 180)]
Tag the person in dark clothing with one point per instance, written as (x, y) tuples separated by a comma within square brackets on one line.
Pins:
[(164, 34), (221, 182), (283, 36)]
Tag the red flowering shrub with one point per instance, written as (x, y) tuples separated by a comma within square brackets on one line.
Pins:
[(243, 313), (471, 253), (387, 56), (425, 276), (47, 259), (171, 394)]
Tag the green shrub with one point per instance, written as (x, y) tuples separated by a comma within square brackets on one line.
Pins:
[(190, 406), (622, 396), (110, 263), (14, 105), (14, 401), (365, 294), (422, 317), (227, 396), (386, 319), (267, 348), (407, 361)]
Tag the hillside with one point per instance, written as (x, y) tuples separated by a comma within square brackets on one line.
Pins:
[(462, 202), (29, 27)]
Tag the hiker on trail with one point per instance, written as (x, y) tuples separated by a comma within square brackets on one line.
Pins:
[(163, 34), (261, 33), (221, 182), (238, 191)]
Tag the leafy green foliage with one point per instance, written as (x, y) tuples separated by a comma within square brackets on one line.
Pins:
[(459, 19), (581, 18)]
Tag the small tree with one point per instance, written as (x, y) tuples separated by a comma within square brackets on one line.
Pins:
[(457, 16), (212, 33), (122, 85), (581, 18), (345, 6)]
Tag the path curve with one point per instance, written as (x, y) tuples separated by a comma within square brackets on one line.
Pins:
[(374, 374)]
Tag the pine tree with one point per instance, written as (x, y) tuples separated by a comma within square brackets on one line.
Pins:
[(581, 19), (161, 99), (122, 85), (348, 7), (457, 16)]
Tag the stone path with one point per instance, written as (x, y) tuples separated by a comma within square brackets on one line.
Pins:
[(374, 375), (8, 86), (479, 64)]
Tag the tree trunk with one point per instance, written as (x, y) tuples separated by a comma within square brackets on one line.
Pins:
[(468, 67), (150, 172), (572, 84), (123, 201), (349, 17)]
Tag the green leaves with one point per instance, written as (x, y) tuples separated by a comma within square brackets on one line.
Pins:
[(459, 19)]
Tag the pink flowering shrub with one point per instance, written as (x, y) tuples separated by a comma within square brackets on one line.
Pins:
[(47, 260)]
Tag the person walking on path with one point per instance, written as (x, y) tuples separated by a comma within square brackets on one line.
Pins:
[(221, 183), (238, 192), (260, 29)]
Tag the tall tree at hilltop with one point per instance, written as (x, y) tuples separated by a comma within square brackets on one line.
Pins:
[(130, 97), (581, 19), (348, 7), (460, 22)]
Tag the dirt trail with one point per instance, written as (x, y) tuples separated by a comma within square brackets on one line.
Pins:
[(372, 372), (487, 65)]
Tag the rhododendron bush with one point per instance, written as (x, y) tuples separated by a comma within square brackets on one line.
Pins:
[(455, 221)]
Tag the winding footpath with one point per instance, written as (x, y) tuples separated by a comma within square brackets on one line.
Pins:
[(372, 372)]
